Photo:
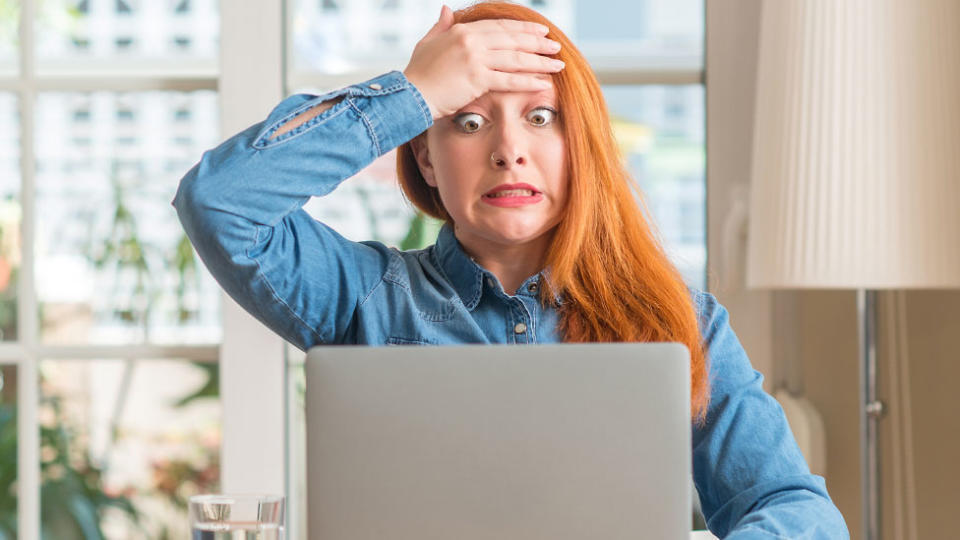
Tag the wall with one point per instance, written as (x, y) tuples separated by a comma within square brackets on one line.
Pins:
[(829, 349), (933, 321)]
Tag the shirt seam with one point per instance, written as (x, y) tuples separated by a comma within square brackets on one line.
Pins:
[(375, 287), (276, 297), (750, 528), (366, 122), (264, 141), (474, 300), (420, 103)]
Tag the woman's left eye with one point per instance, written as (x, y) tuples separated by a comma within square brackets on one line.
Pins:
[(541, 116)]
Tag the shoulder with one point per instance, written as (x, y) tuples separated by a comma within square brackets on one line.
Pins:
[(415, 270), (712, 317), (729, 364), (405, 266)]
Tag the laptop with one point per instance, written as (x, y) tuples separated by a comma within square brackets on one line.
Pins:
[(470, 442)]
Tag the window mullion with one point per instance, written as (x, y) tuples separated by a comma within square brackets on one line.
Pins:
[(28, 433), (252, 363), (120, 83)]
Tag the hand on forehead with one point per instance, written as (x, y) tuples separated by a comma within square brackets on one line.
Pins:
[(455, 64), (487, 99)]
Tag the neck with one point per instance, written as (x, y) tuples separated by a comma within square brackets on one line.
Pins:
[(511, 263)]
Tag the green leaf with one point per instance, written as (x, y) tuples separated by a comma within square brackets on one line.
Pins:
[(85, 515)]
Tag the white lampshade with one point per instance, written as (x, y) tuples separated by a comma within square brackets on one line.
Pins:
[(856, 163)]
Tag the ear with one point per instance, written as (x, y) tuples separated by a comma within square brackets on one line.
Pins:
[(420, 152)]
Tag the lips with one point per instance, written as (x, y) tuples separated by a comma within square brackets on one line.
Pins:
[(512, 195), (512, 190)]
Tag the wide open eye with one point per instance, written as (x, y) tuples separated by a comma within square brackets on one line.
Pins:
[(541, 116), (469, 122)]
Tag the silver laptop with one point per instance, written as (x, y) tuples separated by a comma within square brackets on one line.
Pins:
[(558, 442)]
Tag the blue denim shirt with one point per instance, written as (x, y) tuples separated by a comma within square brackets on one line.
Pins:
[(241, 206)]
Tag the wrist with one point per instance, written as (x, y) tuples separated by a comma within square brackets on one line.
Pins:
[(414, 81)]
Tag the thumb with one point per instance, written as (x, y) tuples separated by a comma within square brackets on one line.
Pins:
[(443, 23)]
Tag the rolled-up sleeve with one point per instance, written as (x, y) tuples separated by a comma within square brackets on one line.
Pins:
[(752, 479)]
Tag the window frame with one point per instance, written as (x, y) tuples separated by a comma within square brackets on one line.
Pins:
[(27, 351)]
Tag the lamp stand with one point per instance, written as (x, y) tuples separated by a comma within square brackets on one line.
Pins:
[(870, 413)]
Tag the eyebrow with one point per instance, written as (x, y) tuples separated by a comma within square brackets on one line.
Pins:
[(548, 95)]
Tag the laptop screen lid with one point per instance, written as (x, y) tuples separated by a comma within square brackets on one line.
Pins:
[(564, 441)]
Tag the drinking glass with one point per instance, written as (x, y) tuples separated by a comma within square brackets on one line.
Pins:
[(236, 517)]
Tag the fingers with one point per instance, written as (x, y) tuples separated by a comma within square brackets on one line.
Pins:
[(521, 42), (518, 82), (443, 23), (446, 17), (518, 61), (509, 26)]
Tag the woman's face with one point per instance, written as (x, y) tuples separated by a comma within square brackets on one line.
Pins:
[(499, 164)]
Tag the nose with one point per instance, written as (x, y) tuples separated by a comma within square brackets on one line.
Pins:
[(501, 162), (508, 149)]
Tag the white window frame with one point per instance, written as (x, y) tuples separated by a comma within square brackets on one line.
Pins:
[(27, 351), (252, 361)]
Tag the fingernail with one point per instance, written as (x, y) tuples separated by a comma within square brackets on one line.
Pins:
[(558, 63), (555, 45)]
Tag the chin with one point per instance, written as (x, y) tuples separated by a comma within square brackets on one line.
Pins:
[(518, 234)]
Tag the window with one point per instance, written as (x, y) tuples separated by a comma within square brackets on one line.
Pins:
[(104, 36), (110, 326)]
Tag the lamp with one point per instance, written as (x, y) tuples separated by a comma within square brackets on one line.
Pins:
[(856, 164)]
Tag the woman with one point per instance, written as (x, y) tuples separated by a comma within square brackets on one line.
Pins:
[(503, 133)]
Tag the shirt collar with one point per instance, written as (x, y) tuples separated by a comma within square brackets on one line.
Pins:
[(465, 274)]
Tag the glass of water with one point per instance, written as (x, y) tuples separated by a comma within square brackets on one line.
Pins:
[(236, 517)]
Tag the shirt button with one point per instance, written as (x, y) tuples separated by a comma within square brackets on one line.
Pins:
[(532, 287), (520, 328), (375, 86)]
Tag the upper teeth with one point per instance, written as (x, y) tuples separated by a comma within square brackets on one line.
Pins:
[(513, 193)]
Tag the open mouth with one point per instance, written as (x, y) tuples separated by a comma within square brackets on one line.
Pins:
[(504, 191), (513, 196), (511, 193)]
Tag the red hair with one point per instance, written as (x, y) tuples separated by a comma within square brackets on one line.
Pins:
[(605, 259)]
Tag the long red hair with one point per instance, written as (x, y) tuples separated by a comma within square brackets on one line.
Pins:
[(605, 258)]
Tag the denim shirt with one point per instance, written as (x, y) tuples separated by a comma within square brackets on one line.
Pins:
[(241, 206)]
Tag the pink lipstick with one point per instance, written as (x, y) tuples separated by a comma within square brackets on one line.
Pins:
[(512, 195)]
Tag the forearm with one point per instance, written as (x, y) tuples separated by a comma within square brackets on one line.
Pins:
[(752, 479), (306, 147), (241, 206), (305, 117), (798, 512)]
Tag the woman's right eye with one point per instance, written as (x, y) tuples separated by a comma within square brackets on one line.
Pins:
[(469, 122)]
